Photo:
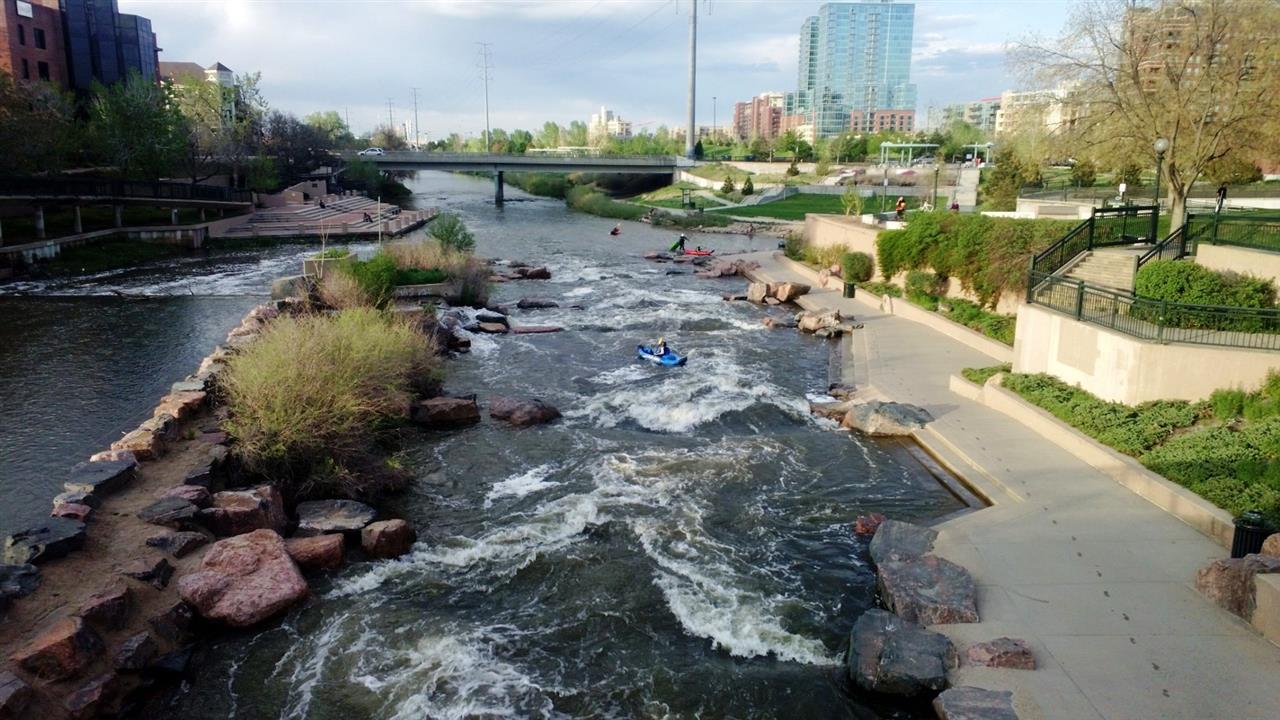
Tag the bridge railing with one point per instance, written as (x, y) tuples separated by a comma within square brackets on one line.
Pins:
[(126, 189), (444, 157)]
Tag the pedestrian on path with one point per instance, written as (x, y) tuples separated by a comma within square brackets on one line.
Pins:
[(900, 207), (1222, 197)]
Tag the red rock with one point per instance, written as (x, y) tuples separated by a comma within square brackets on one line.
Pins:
[(1002, 652), (62, 651), (1271, 546), (14, 695), (522, 413), (322, 552), (786, 292), (179, 544), (387, 539), (492, 328), (536, 329), (142, 443), (1230, 582), (194, 494), (241, 511), (244, 580), (113, 456), (868, 524), (928, 590), (181, 405), (75, 511), (446, 412), (94, 698), (108, 608)]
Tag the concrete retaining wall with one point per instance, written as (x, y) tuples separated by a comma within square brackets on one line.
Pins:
[(1204, 516), (1258, 263), (1124, 369)]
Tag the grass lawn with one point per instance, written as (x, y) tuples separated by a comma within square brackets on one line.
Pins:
[(670, 197), (796, 206), (718, 172)]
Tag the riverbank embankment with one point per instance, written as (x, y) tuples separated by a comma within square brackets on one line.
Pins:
[(1096, 579)]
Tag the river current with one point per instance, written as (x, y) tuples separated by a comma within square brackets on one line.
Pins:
[(679, 545)]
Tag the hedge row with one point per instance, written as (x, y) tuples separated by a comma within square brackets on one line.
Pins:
[(988, 255), (1192, 284)]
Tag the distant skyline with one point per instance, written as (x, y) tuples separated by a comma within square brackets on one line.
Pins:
[(559, 60)]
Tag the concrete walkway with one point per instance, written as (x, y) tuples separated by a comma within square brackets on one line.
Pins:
[(1096, 579)]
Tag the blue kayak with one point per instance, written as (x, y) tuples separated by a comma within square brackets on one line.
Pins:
[(669, 358)]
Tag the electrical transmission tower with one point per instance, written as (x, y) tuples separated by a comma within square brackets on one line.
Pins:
[(485, 60)]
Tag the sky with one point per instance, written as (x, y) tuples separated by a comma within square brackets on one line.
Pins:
[(559, 60)]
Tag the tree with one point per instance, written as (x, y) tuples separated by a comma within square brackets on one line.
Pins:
[(331, 125), (759, 148), (955, 136), (452, 233), (1201, 74), (697, 150), (1003, 183), (521, 141), (1232, 170), (548, 136), (385, 137), (576, 135), (748, 187), (728, 186), (1084, 173), (36, 128), (261, 176), (296, 147), (136, 128), (851, 200)]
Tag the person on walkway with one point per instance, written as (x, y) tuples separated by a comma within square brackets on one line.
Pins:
[(900, 207), (1222, 197), (321, 204), (955, 206), (367, 218), (751, 229), (678, 245)]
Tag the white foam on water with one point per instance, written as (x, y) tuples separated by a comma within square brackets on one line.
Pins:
[(580, 291), (525, 483)]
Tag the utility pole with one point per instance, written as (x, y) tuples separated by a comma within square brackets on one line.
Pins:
[(416, 145), (715, 129), (692, 130), (484, 58), (391, 120)]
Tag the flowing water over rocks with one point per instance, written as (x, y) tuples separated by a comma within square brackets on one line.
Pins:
[(678, 544)]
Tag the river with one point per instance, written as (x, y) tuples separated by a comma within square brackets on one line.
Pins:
[(679, 545)]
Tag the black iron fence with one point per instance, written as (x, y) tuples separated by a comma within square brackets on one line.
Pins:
[(1157, 320), (1104, 227), (1259, 231), (125, 189)]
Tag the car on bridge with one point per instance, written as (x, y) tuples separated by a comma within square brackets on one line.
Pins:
[(372, 151)]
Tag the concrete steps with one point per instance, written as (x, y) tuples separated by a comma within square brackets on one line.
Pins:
[(1109, 269)]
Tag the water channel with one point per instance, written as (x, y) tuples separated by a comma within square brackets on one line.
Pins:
[(679, 545)]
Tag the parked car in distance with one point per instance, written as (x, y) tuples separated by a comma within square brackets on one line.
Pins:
[(372, 151)]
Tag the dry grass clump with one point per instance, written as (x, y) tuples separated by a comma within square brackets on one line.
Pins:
[(340, 290), (469, 274), (310, 398)]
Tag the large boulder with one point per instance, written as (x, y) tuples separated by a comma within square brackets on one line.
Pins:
[(787, 292), (1230, 582), (178, 544), (144, 444), (54, 538), (890, 655), (109, 607), (971, 703), (897, 540), (135, 653), (1271, 546), (62, 651), (197, 495), (322, 552), (100, 478), (868, 524), (15, 695), (1007, 653), (885, 419), (522, 413), (172, 512), (235, 512), (536, 304), (928, 590), (72, 511), (173, 623), (533, 273), (757, 292), (244, 580), (813, 322), (321, 517), (387, 539), (97, 697), (181, 405), (154, 570), (445, 413)]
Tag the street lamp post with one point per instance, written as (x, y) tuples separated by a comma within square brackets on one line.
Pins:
[(1161, 146), (936, 170)]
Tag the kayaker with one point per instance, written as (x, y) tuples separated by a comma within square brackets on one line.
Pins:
[(660, 347), (617, 229), (678, 246)]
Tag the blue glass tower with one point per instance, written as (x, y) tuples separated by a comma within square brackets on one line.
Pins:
[(104, 45), (855, 65)]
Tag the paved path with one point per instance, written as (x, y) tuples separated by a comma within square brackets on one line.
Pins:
[(1096, 579)]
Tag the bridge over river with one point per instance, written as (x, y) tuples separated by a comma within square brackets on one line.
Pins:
[(499, 163)]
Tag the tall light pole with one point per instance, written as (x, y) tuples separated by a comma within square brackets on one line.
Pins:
[(484, 57), (416, 144), (714, 128), (1161, 146), (391, 121), (693, 78)]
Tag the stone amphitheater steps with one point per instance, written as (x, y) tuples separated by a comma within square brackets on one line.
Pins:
[(1112, 269)]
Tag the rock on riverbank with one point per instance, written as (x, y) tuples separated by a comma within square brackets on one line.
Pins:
[(890, 655), (244, 580)]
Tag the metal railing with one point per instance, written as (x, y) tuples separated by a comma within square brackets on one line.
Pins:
[(1157, 320), (1178, 245), (1259, 231), (125, 189), (1104, 227)]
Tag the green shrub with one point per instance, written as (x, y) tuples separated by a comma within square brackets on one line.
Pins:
[(697, 220), (452, 233), (375, 276), (856, 267), (995, 326), (332, 254), (794, 246), (980, 376), (553, 185), (728, 187), (748, 187), (1084, 173), (1194, 284), (823, 257), (308, 400), (418, 276), (589, 200), (1258, 407), (882, 288), (1227, 404)]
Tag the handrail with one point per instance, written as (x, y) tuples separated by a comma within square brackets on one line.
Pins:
[(1157, 320), (132, 189), (1173, 247), (1099, 230)]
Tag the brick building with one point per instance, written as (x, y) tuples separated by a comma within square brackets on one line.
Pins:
[(760, 117), (31, 41)]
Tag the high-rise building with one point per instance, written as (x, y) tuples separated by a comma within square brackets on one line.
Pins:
[(31, 41), (855, 67), (980, 113), (606, 124), (760, 117), (105, 46)]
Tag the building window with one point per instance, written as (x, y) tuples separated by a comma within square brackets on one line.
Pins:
[(43, 69), (37, 34), (26, 70), (22, 34)]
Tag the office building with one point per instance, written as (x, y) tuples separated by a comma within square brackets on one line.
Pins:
[(217, 73), (855, 68), (606, 124), (31, 41), (106, 46), (980, 113), (760, 117)]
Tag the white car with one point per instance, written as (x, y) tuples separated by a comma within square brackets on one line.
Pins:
[(372, 151)]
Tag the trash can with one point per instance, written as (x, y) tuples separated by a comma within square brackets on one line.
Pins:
[(849, 289), (1251, 530)]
